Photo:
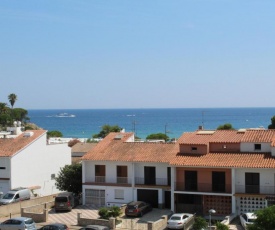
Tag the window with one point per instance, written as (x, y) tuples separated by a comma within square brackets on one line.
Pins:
[(224, 146), (194, 148), (119, 194), (2, 167), (52, 176), (257, 146)]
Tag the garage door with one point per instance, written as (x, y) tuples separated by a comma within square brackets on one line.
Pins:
[(95, 197), (149, 196), (4, 186)]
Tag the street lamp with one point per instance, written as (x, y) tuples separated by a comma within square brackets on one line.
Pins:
[(211, 211)]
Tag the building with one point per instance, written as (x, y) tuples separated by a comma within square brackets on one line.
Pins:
[(26, 160), (231, 171)]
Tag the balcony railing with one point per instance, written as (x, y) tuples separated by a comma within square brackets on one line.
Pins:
[(203, 187), (151, 181), (255, 189), (112, 180)]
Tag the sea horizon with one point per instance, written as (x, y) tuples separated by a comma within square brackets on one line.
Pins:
[(174, 121)]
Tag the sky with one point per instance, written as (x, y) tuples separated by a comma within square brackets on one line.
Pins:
[(93, 54)]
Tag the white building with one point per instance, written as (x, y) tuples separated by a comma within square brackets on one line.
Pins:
[(26, 160)]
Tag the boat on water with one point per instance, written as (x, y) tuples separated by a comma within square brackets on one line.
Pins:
[(64, 115)]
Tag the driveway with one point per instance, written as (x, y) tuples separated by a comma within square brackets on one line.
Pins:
[(70, 218)]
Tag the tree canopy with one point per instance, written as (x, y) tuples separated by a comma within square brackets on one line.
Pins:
[(265, 219), (70, 178), (272, 125), (157, 136), (226, 126), (106, 129), (54, 133)]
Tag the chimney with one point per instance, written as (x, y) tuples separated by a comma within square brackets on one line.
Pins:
[(200, 127)]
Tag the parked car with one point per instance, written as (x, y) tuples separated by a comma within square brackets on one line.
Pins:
[(18, 223), (247, 218), (95, 227), (55, 226), (137, 208), (15, 195), (177, 220), (65, 201)]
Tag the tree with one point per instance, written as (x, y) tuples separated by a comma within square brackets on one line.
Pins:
[(70, 178), (54, 133), (106, 129), (226, 126), (157, 136), (272, 125), (265, 219), (71, 143), (12, 99)]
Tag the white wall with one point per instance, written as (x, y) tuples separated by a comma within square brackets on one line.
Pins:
[(34, 165), (250, 147), (267, 176)]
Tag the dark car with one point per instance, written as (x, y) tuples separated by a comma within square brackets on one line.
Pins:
[(137, 208), (94, 227), (55, 226), (65, 201)]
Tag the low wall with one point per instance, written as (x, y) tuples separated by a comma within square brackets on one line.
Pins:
[(111, 223), (160, 224), (39, 213), (15, 208)]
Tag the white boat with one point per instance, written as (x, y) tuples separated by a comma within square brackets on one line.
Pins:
[(64, 115)]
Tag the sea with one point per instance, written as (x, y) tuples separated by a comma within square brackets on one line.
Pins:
[(84, 123)]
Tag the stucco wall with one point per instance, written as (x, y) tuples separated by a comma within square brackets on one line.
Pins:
[(227, 147), (201, 149), (34, 165), (250, 147)]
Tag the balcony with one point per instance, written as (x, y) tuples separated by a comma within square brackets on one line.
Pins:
[(151, 181), (255, 189), (203, 187), (102, 180)]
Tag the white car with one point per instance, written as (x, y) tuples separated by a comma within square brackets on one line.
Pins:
[(178, 220), (247, 218)]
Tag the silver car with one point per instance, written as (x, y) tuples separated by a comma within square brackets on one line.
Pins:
[(18, 223), (178, 220)]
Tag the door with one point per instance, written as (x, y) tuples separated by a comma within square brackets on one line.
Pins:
[(149, 175), (191, 183), (95, 197), (252, 183), (218, 181), (148, 196)]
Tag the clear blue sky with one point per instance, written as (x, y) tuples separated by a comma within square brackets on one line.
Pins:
[(137, 54)]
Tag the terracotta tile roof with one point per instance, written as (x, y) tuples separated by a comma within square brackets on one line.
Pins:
[(259, 136), (83, 147), (10, 146), (203, 137), (229, 160), (111, 149)]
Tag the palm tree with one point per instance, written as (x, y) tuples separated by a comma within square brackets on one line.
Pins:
[(12, 98)]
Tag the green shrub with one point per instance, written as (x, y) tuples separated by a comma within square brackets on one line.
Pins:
[(221, 226), (200, 223), (106, 213)]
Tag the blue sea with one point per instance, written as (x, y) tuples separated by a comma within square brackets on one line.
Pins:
[(86, 122)]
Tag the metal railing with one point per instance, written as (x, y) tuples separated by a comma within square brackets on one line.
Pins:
[(255, 189), (202, 187), (114, 180), (151, 181)]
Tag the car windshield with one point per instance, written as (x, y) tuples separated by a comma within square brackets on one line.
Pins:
[(61, 199), (29, 221), (175, 218), (131, 206), (8, 196)]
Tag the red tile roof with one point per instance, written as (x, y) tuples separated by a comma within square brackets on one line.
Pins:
[(10, 146), (228, 160), (259, 136), (112, 149), (82, 147), (118, 149)]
